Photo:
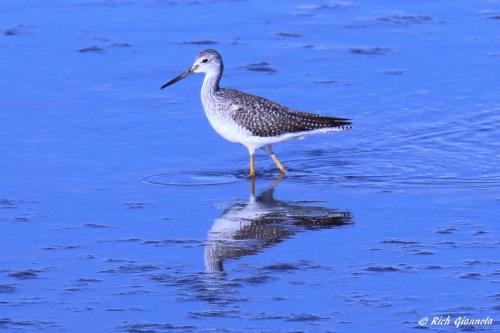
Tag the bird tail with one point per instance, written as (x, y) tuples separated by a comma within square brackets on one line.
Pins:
[(339, 123), (315, 121)]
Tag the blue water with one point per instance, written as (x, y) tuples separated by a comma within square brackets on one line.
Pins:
[(121, 210)]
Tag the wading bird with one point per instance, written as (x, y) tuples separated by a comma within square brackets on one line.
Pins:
[(253, 121)]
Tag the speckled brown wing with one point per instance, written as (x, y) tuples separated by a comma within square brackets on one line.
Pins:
[(265, 118)]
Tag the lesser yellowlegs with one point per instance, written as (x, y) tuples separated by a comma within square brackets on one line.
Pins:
[(253, 121)]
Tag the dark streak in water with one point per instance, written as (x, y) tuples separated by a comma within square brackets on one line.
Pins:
[(17, 324), (166, 242), (132, 268), (369, 50), (446, 230), (20, 29), (289, 34), (424, 252), (399, 241), (215, 313), (471, 275), (405, 19), (120, 45), (199, 42), (298, 317), (136, 205), (449, 244), (124, 309), (307, 10), (97, 225), (102, 48), (496, 296), (260, 67), (480, 262), (7, 203), (345, 83), (156, 328), (387, 268), (92, 49), (300, 265), (127, 240), (24, 275), (62, 247), (7, 288), (22, 219), (304, 317), (378, 268), (88, 280), (395, 72), (281, 267), (254, 279)]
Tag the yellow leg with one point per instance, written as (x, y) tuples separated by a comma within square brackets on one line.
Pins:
[(252, 166), (252, 187), (278, 164)]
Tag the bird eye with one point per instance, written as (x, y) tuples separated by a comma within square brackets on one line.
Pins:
[(204, 61)]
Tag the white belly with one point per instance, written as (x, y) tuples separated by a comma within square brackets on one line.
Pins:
[(232, 132), (228, 129)]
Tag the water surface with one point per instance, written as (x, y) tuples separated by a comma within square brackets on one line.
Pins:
[(122, 211)]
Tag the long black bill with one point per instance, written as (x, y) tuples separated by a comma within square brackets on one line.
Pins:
[(178, 78)]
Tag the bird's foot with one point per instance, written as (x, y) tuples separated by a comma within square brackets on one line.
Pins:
[(278, 164)]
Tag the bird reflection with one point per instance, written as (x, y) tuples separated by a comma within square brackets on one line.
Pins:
[(248, 227)]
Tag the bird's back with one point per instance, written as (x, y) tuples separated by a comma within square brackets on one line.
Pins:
[(265, 118)]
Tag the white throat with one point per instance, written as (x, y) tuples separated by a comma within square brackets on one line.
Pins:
[(208, 89)]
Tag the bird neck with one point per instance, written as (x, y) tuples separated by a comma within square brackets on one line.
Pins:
[(211, 82)]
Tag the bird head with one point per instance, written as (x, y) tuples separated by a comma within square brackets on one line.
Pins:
[(208, 61)]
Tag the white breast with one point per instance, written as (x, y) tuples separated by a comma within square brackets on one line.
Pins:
[(226, 127), (219, 114)]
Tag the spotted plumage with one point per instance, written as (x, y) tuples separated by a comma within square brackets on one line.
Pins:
[(252, 121), (265, 118)]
